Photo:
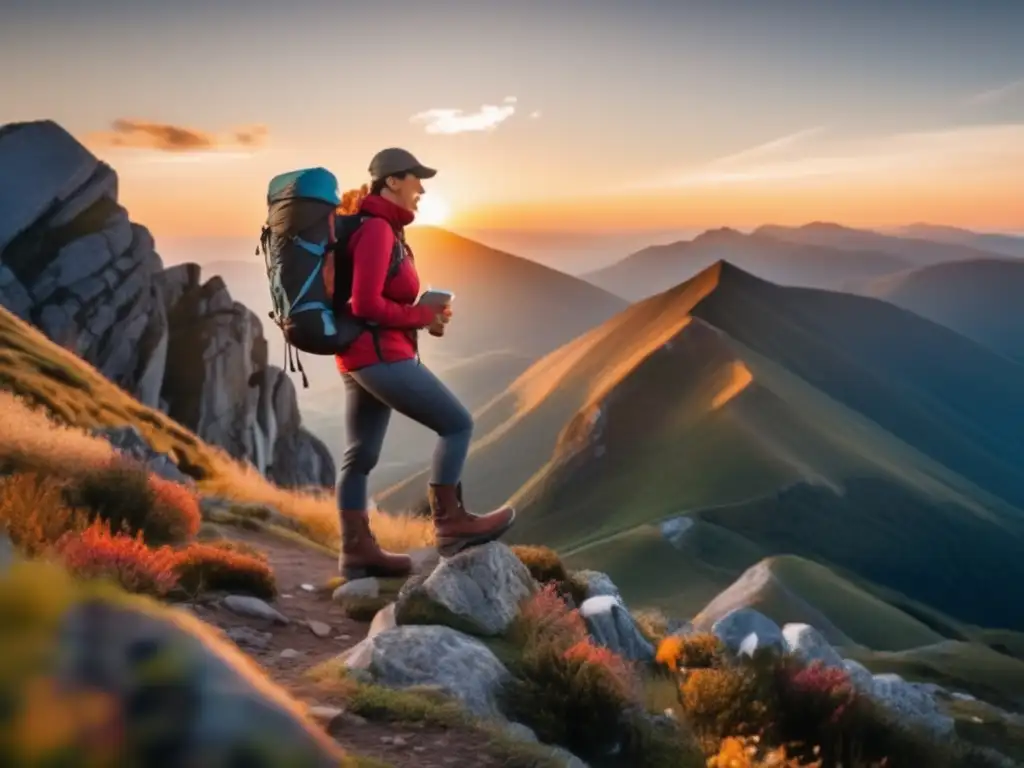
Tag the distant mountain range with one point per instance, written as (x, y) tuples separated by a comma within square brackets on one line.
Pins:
[(730, 419), (1007, 245), (817, 255)]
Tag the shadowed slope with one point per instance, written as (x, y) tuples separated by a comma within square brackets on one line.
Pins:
[(980, 299)]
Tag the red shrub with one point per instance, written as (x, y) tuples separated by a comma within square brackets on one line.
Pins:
[(175, 509), (133, 500), (97, 553), (202, 567), (546, 618)]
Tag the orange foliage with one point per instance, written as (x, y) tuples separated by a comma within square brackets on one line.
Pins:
[(545, 617), (34, 514), (351, 200), (699, 650), (132, 499), (223, 567), (97, 553), (175, 509)]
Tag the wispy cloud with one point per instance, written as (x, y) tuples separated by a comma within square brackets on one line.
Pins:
[(999, 94), (962, 148), (772, 147), (452, 121), (128, 133)]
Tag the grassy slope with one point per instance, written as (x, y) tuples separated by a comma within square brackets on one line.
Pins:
[(75, 394), (794, 392), (980, 299)]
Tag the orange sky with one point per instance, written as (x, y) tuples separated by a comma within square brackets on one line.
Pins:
[(573, 115)]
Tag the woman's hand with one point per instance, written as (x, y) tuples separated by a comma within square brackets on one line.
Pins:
[(442, 317)]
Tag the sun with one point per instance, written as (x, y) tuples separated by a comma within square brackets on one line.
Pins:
[(433, 210)]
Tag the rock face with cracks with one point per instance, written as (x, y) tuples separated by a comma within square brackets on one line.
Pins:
[(74, 265)]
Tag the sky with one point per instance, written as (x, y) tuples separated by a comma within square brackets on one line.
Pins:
[(542, 115)]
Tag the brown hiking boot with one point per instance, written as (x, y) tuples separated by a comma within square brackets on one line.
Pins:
[(455, 528), (361, 555)]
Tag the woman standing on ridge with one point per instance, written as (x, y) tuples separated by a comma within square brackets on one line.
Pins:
[(382, 372)]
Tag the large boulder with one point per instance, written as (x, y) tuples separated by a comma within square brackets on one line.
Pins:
[(74, 265), (170, 688), (478, 591), (460, 665)]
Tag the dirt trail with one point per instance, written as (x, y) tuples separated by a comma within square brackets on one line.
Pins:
[(400, 745)]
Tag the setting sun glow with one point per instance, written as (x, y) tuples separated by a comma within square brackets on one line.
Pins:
[(433, 211)]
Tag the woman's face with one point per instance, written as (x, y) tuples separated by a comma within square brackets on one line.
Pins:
[(407, 191)]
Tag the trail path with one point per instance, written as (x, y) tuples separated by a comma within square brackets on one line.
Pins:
[(399, 744)]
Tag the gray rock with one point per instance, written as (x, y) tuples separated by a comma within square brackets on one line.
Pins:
[(245, 605), (458, 664), (129, 441), (598, 583), (357, 588), (43, 165), (383, 620), (911, 704), (859, 675), (244, 637), (478, 590), (110, 647), (319, 628), (611, 625), (744, 631), (809, 645)]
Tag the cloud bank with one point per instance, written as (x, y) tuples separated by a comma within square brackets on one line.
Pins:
[(127, 133), (452, 121)]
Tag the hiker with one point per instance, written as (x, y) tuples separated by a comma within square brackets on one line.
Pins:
[(382, 372)]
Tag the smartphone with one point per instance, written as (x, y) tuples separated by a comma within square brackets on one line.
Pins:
[(435, 297)]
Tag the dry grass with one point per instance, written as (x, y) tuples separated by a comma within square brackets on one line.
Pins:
[(53, 398), (316, 512), (34, 513), (202, 567)]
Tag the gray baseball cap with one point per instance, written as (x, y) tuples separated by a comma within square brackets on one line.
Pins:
[(392, 161)]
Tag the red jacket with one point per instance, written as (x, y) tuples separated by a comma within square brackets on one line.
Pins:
[(390, 306)]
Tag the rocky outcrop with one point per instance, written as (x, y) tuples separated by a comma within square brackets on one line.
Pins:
[(75, 266), (745, 630)]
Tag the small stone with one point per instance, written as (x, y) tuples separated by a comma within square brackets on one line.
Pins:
[(290, 653), (358, 588), (419, 748), (344, 637), (287, 597), (325, 713), (319, 628), (398, 741), (245, 605), (353, 719), (245, 637), (307, 588)]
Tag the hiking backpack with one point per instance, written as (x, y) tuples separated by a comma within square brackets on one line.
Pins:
[(305, 247)]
